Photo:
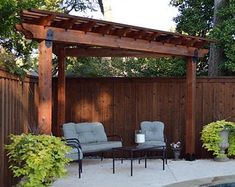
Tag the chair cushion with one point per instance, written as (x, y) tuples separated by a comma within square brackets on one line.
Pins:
[(85, 132), (154, 131), (100, 146), (69, 130), (73, 154)]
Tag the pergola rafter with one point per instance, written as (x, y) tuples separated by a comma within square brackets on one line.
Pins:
[(84, 37)]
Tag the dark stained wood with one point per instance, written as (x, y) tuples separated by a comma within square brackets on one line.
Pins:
[(17, 109), (67, 24), (122, 103), (86, 27), (104, 29), (104, 52), (122, 32), (46, 21), (153, 36), (88, 24), (190, 107), (95, 39), (61, 91), (45, 88)]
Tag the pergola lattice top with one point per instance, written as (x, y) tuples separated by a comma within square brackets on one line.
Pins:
[(119, 39)]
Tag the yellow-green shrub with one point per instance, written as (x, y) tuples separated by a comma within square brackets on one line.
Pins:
[(211, 138), (40, 159)]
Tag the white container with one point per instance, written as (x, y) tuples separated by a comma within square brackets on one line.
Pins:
[(139, 137)]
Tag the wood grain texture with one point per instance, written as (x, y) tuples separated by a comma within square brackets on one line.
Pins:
[(190, 107), (95, 39), (45, 88), (61, 87), (122, 103), (18, 111)]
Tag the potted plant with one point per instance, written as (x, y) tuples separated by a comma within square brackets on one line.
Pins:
[(176, 148), (39, 159), (219, 137)]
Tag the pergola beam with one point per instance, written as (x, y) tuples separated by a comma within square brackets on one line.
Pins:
[(95, 39), (104, 52)]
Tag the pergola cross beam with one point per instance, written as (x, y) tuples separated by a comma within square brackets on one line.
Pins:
[(95, 39)]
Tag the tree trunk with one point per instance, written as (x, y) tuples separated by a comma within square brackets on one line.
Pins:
[(216, 57)]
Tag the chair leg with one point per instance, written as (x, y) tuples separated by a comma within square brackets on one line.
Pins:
[(80, 165), (79, 168), (166, 156), (102, 156)]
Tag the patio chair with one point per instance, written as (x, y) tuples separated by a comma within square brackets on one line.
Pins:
[(76, 153), (91, 137), (154, 135)]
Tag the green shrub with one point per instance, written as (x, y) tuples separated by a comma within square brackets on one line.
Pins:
[(39, 159), (211, 138)]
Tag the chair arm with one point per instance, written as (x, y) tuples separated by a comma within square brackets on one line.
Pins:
[(73, 142), (79, 149), (115, 136)]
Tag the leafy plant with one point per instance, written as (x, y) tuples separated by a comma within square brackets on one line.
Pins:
[(211, 138), (190, 11), (39, 159)]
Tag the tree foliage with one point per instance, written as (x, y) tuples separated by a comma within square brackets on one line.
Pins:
[(126, 67), (14, 42), (224, 32), (196, 18)]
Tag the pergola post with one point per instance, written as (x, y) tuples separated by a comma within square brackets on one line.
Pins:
[(61, 90), (45, 87), (190, 109)]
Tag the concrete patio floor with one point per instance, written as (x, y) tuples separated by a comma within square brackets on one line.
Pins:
[(98, 173)]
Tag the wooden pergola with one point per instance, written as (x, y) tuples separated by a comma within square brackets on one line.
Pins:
[(66, 35)]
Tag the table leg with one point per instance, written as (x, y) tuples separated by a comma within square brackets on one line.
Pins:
[(113, 162), (131, 163), (145, 159), (122, 157)]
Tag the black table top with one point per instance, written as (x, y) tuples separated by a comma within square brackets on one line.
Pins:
[(138, 147)]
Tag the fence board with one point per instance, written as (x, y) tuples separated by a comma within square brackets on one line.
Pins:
[(17, 109)]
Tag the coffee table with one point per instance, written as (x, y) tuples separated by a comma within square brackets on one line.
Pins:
[(131, 150)]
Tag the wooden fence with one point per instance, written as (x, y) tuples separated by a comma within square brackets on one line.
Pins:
[(119, 103), (122, 103), (18, 111)]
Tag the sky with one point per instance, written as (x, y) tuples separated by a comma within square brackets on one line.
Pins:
[(155, 14)]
